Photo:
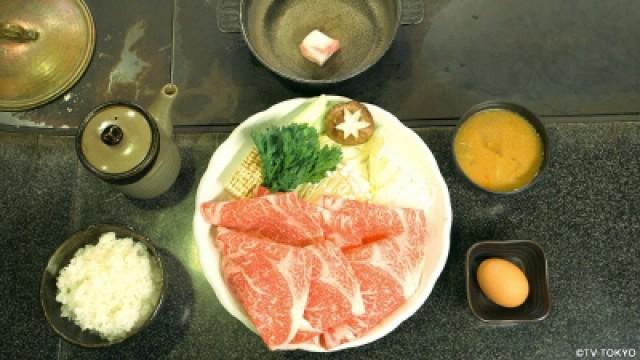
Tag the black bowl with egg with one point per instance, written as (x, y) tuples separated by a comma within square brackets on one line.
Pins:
[(529, 257), (523, 113), (62, 256)]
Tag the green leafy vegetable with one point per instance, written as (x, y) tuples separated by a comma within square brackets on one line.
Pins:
[(292, 155)]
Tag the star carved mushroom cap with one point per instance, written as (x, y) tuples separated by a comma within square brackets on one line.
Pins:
[(352, 124), (349, 123)]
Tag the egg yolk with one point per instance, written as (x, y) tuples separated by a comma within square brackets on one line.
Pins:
[(498, 150)]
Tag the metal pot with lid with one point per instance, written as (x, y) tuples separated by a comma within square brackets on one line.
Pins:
[(130, 148), (45, 47)]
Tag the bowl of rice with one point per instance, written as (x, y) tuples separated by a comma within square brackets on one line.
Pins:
[(102, 285)]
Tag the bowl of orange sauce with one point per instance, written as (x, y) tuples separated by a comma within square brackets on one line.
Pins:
[(500, 147)]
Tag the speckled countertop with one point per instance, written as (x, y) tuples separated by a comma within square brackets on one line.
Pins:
[(584, 212)]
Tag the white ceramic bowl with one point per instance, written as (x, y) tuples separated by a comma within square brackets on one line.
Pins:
[(415, 152)]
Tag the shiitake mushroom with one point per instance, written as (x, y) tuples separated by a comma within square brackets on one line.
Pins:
[(335, 116)]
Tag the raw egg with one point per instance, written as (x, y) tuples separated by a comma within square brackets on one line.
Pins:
[(503, 282)]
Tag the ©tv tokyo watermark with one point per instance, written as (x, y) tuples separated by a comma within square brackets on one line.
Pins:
[(609, 353)]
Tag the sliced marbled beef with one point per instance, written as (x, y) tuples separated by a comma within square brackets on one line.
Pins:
[(281, 217), (270, 280)]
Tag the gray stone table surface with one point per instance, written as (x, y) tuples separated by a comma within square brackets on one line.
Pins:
[(584, 213)]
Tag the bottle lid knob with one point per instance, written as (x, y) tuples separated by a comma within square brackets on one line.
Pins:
[(111, 135)]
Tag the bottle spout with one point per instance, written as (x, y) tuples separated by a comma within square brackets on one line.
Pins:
[(161, 108)]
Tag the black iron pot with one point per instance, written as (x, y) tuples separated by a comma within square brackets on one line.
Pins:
[(273, 30)]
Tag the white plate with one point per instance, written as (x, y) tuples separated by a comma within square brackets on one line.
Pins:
[(415, 152)]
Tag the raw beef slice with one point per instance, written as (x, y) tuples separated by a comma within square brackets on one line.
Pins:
[(270, 280), (388, 271), (334, 293), (281, 217), (349, 223)]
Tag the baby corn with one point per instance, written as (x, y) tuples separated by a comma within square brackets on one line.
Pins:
[(247, 177)]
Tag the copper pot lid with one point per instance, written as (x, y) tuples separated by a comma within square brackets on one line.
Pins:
[(118, 142), (45, 46)]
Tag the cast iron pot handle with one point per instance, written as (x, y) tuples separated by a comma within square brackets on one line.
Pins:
[(228, 16), (412, 12)]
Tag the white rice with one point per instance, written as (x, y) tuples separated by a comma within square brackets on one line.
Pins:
[(110, 288)]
